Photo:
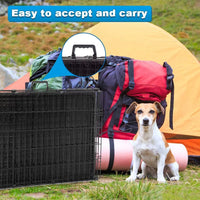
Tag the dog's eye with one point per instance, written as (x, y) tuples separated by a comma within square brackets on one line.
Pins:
[(152, 111), (139, 111)]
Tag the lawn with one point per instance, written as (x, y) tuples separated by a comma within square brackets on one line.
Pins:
[(114, 186)]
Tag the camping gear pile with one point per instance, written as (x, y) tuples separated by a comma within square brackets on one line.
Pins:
[(125, 80), (122, 80), (145, 41)]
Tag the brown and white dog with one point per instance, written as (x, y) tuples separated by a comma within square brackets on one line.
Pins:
[(150, 145)]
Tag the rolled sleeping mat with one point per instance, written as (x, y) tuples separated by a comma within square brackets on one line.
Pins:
[(123, 150)]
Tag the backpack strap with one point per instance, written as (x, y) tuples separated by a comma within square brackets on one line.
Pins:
[(112, 154), (116, 110), (117, 107), (170, 86), (172, 106), (131, 84)]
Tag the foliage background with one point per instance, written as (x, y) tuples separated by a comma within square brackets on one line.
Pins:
[(22, 41)]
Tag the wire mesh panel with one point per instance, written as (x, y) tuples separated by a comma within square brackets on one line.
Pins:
[(48, 137)]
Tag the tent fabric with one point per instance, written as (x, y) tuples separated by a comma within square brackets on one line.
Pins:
[(19, 84), (145, 41), (192, 145)]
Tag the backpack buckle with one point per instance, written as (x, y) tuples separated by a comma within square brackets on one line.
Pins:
[(131, 85), (170, 77)]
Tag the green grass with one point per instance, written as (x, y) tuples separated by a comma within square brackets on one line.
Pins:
[(181, 18), (114, 186)]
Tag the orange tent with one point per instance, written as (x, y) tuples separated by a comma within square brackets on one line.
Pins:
[(146, 41), (19, 84)]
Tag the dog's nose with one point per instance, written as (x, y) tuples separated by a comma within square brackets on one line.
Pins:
[(145, 121)]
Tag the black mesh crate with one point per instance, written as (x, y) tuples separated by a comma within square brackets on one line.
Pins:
[(48, 137)]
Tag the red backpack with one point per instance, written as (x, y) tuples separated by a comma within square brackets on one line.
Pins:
[(125, 80)]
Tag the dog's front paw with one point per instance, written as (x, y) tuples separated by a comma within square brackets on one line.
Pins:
[(161, 180), (174, 178), (141, 176), (130, 179)]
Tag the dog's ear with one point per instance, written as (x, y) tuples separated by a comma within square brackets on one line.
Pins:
[(132, 107), (159, 107)]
